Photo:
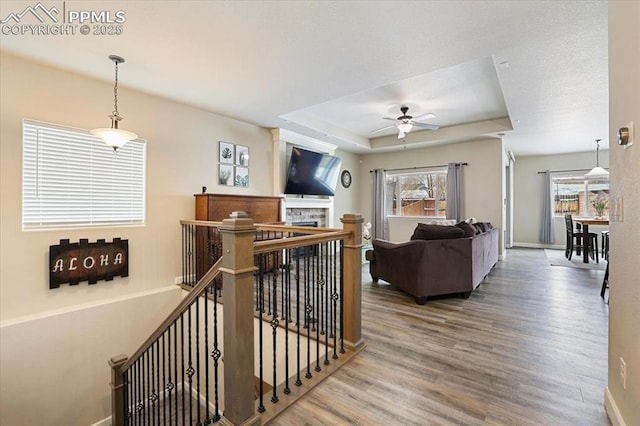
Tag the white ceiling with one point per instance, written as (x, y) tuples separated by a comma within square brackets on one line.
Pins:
[(536, 71)]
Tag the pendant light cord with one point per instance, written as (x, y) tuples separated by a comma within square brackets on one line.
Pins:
[(115, 92)]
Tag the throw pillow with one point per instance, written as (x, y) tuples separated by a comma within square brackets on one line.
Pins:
[(469, 231), (436, 232)]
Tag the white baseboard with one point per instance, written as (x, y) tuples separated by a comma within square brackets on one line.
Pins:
[(103, 422), (612, 409), (190, 278), (539, 245)]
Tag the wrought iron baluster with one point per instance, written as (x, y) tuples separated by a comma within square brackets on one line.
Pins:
[(308, 309), (169, 386), (190, 370), (326, 289), (139, 406), (147, 368), (153, 396), (197, 370), (342, 296), (318, 311), (156, 351), (299, 301), (182, 367), (175, 370), (274, 327), (334, 297), (286, 274), (260, 295), (216, 354), (164, 379), (206, 348)]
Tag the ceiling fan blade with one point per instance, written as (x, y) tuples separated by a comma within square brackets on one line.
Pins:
[(426, 126), (383, 128), (389, 118), (426, 116)]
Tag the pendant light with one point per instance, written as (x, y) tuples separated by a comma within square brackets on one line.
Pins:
[(597, 171), (113, 136)]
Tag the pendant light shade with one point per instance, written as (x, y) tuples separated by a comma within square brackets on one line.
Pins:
[(113, 136), (597, 171)]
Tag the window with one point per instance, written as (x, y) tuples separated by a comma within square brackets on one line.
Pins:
[(575, 195), (419, 193), (70, 178)]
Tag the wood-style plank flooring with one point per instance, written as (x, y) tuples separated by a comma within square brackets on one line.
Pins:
[(529, 347)]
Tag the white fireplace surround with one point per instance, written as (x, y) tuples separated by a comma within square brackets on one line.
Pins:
[(308, 209)]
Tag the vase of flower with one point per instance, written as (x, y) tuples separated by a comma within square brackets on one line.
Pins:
[(599, 204)]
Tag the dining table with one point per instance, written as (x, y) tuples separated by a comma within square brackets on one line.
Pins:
[(585, 222)]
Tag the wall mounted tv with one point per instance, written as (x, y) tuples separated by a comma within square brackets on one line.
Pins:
[(312, 173)]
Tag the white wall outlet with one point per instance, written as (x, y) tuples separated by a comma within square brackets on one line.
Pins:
[(622, 370)]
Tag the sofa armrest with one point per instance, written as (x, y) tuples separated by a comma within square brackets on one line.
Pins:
[(400, 264)]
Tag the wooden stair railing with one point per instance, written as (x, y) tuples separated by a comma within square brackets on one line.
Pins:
[(339, 296), (121, 363)]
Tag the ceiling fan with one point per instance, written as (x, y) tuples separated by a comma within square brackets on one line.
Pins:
[(405, 122)]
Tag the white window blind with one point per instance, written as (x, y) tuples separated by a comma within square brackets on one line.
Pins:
[(71, 178)]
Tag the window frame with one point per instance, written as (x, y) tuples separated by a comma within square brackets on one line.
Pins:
[(584, 205), (72, 180), (439, 172)]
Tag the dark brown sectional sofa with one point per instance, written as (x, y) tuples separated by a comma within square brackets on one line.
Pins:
[(430, 267)]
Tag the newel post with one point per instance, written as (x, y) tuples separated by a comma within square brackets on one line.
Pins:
[(117, 390), (238, 267), (352, 223)]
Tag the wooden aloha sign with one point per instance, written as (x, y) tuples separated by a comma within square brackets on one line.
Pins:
[(84, 261)]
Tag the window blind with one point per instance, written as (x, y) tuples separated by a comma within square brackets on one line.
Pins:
[(71, 178)]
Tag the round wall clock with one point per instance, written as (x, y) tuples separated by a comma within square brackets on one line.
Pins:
[(345, 178)]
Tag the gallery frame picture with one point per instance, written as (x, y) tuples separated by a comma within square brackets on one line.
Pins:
[(242, 156), (233, 164)]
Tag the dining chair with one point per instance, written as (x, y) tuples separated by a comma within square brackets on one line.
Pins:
[(605, 281), (605, 244), (574, 240)]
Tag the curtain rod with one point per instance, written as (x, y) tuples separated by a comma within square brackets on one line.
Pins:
[(418, 167), (564, 171)]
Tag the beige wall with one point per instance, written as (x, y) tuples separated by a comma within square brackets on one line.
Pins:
[(624, 303), (482, 178), (54, 368), (528, 184), (347, 200), (182, 146), (71, 326)]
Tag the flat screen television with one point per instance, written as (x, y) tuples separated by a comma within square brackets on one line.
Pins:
[(312, 173)]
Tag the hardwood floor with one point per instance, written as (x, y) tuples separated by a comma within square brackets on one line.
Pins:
[(529, 347)]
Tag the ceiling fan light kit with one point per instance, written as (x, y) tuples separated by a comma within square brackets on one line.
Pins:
[(113, 136), (405, 123)]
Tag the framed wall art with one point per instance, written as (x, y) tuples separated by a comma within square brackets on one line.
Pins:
[(226, 175), (242, 177), (226, 153), (242, 156)]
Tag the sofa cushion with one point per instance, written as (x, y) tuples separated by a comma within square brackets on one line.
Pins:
[(469, 231), (439, 222), (436, 232)]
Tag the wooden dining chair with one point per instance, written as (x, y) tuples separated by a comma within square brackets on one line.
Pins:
[(574, 240)]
